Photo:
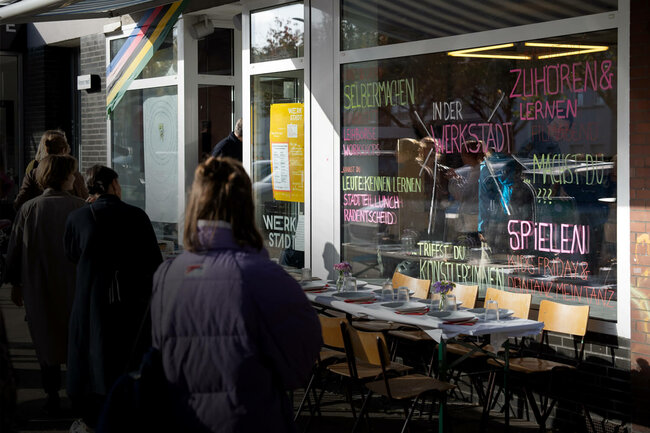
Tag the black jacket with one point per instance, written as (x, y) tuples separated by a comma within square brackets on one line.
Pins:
[(230, 146), (110, 241)]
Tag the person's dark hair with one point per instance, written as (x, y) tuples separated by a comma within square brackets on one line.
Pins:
[(221, 191), (54, 170), (53, 142), (99, 178)]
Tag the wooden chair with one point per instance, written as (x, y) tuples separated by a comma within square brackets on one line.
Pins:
[(369, 348), (420, 287), (466, 294), (520, 304), (517, 302), (560, 318), (333, 351)]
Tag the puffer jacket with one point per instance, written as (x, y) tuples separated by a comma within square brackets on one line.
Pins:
[(235, 332)]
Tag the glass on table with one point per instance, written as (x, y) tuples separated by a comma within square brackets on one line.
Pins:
[(403, 294), (450, 302), (349, 284), (435, 301), (491, 310), (305, 275), (387, 292)]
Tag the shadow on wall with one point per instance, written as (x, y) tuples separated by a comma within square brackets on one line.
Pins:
[(640, 378), (330, 256)]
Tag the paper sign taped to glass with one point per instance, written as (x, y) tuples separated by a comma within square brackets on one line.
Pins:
[(288, 152)]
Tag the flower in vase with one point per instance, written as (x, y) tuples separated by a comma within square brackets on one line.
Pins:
[(343, 268), (443, 287)]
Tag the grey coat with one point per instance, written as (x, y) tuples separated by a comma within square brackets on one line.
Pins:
[(35, 261)]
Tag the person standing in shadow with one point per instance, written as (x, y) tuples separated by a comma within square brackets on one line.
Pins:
[(231, 145), (53, 142), (42, 277), (116, 252)]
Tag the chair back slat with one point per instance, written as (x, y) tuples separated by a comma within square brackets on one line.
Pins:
[(466, 294), (567, 319), (420, 287), (364, 346), (331, 331), (517, 302)]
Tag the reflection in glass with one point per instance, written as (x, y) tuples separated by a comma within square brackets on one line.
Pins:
[(277, 33), (215, 52), (216, 111), (144, 153), (281, 222), (369, 23), (508, 180)]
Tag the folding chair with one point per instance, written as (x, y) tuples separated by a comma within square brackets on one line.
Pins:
[(560, 318), (369, 348)]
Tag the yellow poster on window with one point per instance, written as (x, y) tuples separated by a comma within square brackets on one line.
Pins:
[(288, 152)]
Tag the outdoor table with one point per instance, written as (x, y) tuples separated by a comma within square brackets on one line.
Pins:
[(499, 331)]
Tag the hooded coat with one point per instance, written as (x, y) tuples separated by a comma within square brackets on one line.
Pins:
[(235, 332), (117, 253)]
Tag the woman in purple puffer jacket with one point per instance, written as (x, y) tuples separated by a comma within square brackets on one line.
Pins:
[(234, 329)]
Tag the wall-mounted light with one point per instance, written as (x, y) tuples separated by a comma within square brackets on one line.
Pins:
[(578, 49), (474, 52), (202, 28)]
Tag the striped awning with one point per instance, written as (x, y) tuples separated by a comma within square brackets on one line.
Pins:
[(149, 33), (31, 11)]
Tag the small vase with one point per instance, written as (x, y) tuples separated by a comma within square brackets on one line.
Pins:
[(339, 281), (443, 300)]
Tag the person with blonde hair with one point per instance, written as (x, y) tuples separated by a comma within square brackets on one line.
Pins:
[(53, 142), (43, 278), (234, 329)]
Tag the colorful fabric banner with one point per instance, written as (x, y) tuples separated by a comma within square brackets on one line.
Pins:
[(138, 49)]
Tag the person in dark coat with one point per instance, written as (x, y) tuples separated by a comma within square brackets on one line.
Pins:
[(234, 329), (43, 279), (117, 253), (231, 145)]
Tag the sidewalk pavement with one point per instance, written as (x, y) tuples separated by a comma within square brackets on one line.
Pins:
[(336, 415)]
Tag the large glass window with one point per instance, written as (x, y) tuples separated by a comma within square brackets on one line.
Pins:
[(492, 165), (278, 163), (368, 23), (278, 33), (144, 138)]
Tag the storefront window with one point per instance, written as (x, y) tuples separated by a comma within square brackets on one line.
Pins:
[(163, 62), (509, 178), (277, 33), (144, 139), (216, 53), (369, 23), (277, 156)]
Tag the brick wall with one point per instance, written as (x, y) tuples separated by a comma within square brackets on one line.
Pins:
[(93, 105), (640, 214)]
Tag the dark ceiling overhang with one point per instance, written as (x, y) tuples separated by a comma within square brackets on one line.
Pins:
[(31, 11)]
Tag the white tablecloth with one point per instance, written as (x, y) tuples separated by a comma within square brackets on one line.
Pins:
[(499, 331)]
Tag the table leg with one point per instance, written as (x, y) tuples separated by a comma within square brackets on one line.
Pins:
[(442, 375), (506, 369)]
